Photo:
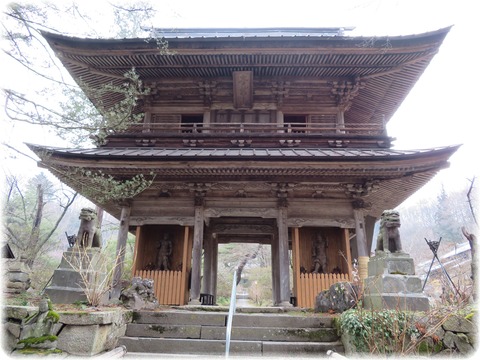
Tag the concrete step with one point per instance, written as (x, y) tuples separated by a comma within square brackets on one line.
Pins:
[(237, 347)]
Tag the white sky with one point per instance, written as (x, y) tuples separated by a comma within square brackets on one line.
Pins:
[(439, 111)]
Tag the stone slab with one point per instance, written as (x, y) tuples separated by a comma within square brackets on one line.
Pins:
[(65, 295), (457, 323), (84, 340), (282, 320), (90, 258), (190, 346), (15, 265), (287, 349), (387, 283), (164, 331), (18, 312), (271, 334), (66, 278), (93, 318), (395, 263), (400, 302), (180, 317)]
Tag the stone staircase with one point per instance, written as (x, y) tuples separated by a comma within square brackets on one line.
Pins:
[(182, 332)]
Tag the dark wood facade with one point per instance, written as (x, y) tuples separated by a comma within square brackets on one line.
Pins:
[(262, 135)]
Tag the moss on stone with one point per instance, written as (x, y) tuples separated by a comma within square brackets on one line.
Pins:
[(135, 316), (43, 352), (53, 315), (38, 340), (158, 328), (336, 324), (318, 335)]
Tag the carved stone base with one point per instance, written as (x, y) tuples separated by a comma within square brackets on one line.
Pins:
[(391, 263), (392, 284), (67, 286), (400, 302)]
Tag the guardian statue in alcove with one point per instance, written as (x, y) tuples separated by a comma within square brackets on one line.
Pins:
[(164, 253)]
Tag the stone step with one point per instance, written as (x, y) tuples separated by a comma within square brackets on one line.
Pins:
[(200, 333), (286, 320), (238, 333), (189, 346), (271, 334), (217, 347)]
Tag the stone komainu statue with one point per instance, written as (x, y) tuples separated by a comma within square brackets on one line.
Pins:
[(88, 234), (388, 239)]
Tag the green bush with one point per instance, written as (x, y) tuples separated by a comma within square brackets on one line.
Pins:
[(378, 332)]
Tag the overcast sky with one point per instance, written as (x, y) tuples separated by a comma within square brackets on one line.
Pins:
[(439, 111)]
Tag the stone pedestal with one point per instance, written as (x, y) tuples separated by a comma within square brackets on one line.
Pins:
[(16, 276), (67, 286), (392, 284)]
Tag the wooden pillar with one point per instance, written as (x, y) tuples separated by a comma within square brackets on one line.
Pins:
[(120, 254), (207, 264), (147, 119), (369, 230), (296, 264), (185, 258), (280, 121), (213, 279), (340, 121), (197, 253), (206, 120), (284, 263), (348, 255), (275, 273), (136, 250), (362, 246)]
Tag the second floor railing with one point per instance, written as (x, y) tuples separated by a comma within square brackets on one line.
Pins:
[(251, 135), (265, 128)]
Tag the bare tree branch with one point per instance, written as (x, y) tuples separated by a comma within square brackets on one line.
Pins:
[(59, 219), (469, 193), (19, 152)]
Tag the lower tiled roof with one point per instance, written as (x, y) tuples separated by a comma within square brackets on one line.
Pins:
[(241, 153)]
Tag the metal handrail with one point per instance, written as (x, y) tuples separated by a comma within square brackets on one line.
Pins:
[(231, 312)]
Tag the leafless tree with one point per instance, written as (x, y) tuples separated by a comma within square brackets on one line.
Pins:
[(25, 225)]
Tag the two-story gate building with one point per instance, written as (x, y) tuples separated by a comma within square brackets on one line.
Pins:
[(273, 136)]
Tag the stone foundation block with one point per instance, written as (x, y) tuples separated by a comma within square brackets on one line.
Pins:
[(396, 264), (393, 284), (400, 302), (86, 340)]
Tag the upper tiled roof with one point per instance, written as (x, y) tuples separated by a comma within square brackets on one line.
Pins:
[(386, 68), (248, 32)]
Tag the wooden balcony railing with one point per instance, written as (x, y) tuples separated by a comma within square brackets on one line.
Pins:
[(254, 128), (224, 135)]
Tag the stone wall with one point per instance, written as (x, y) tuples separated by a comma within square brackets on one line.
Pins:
[(81, 333), (456, 335)]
